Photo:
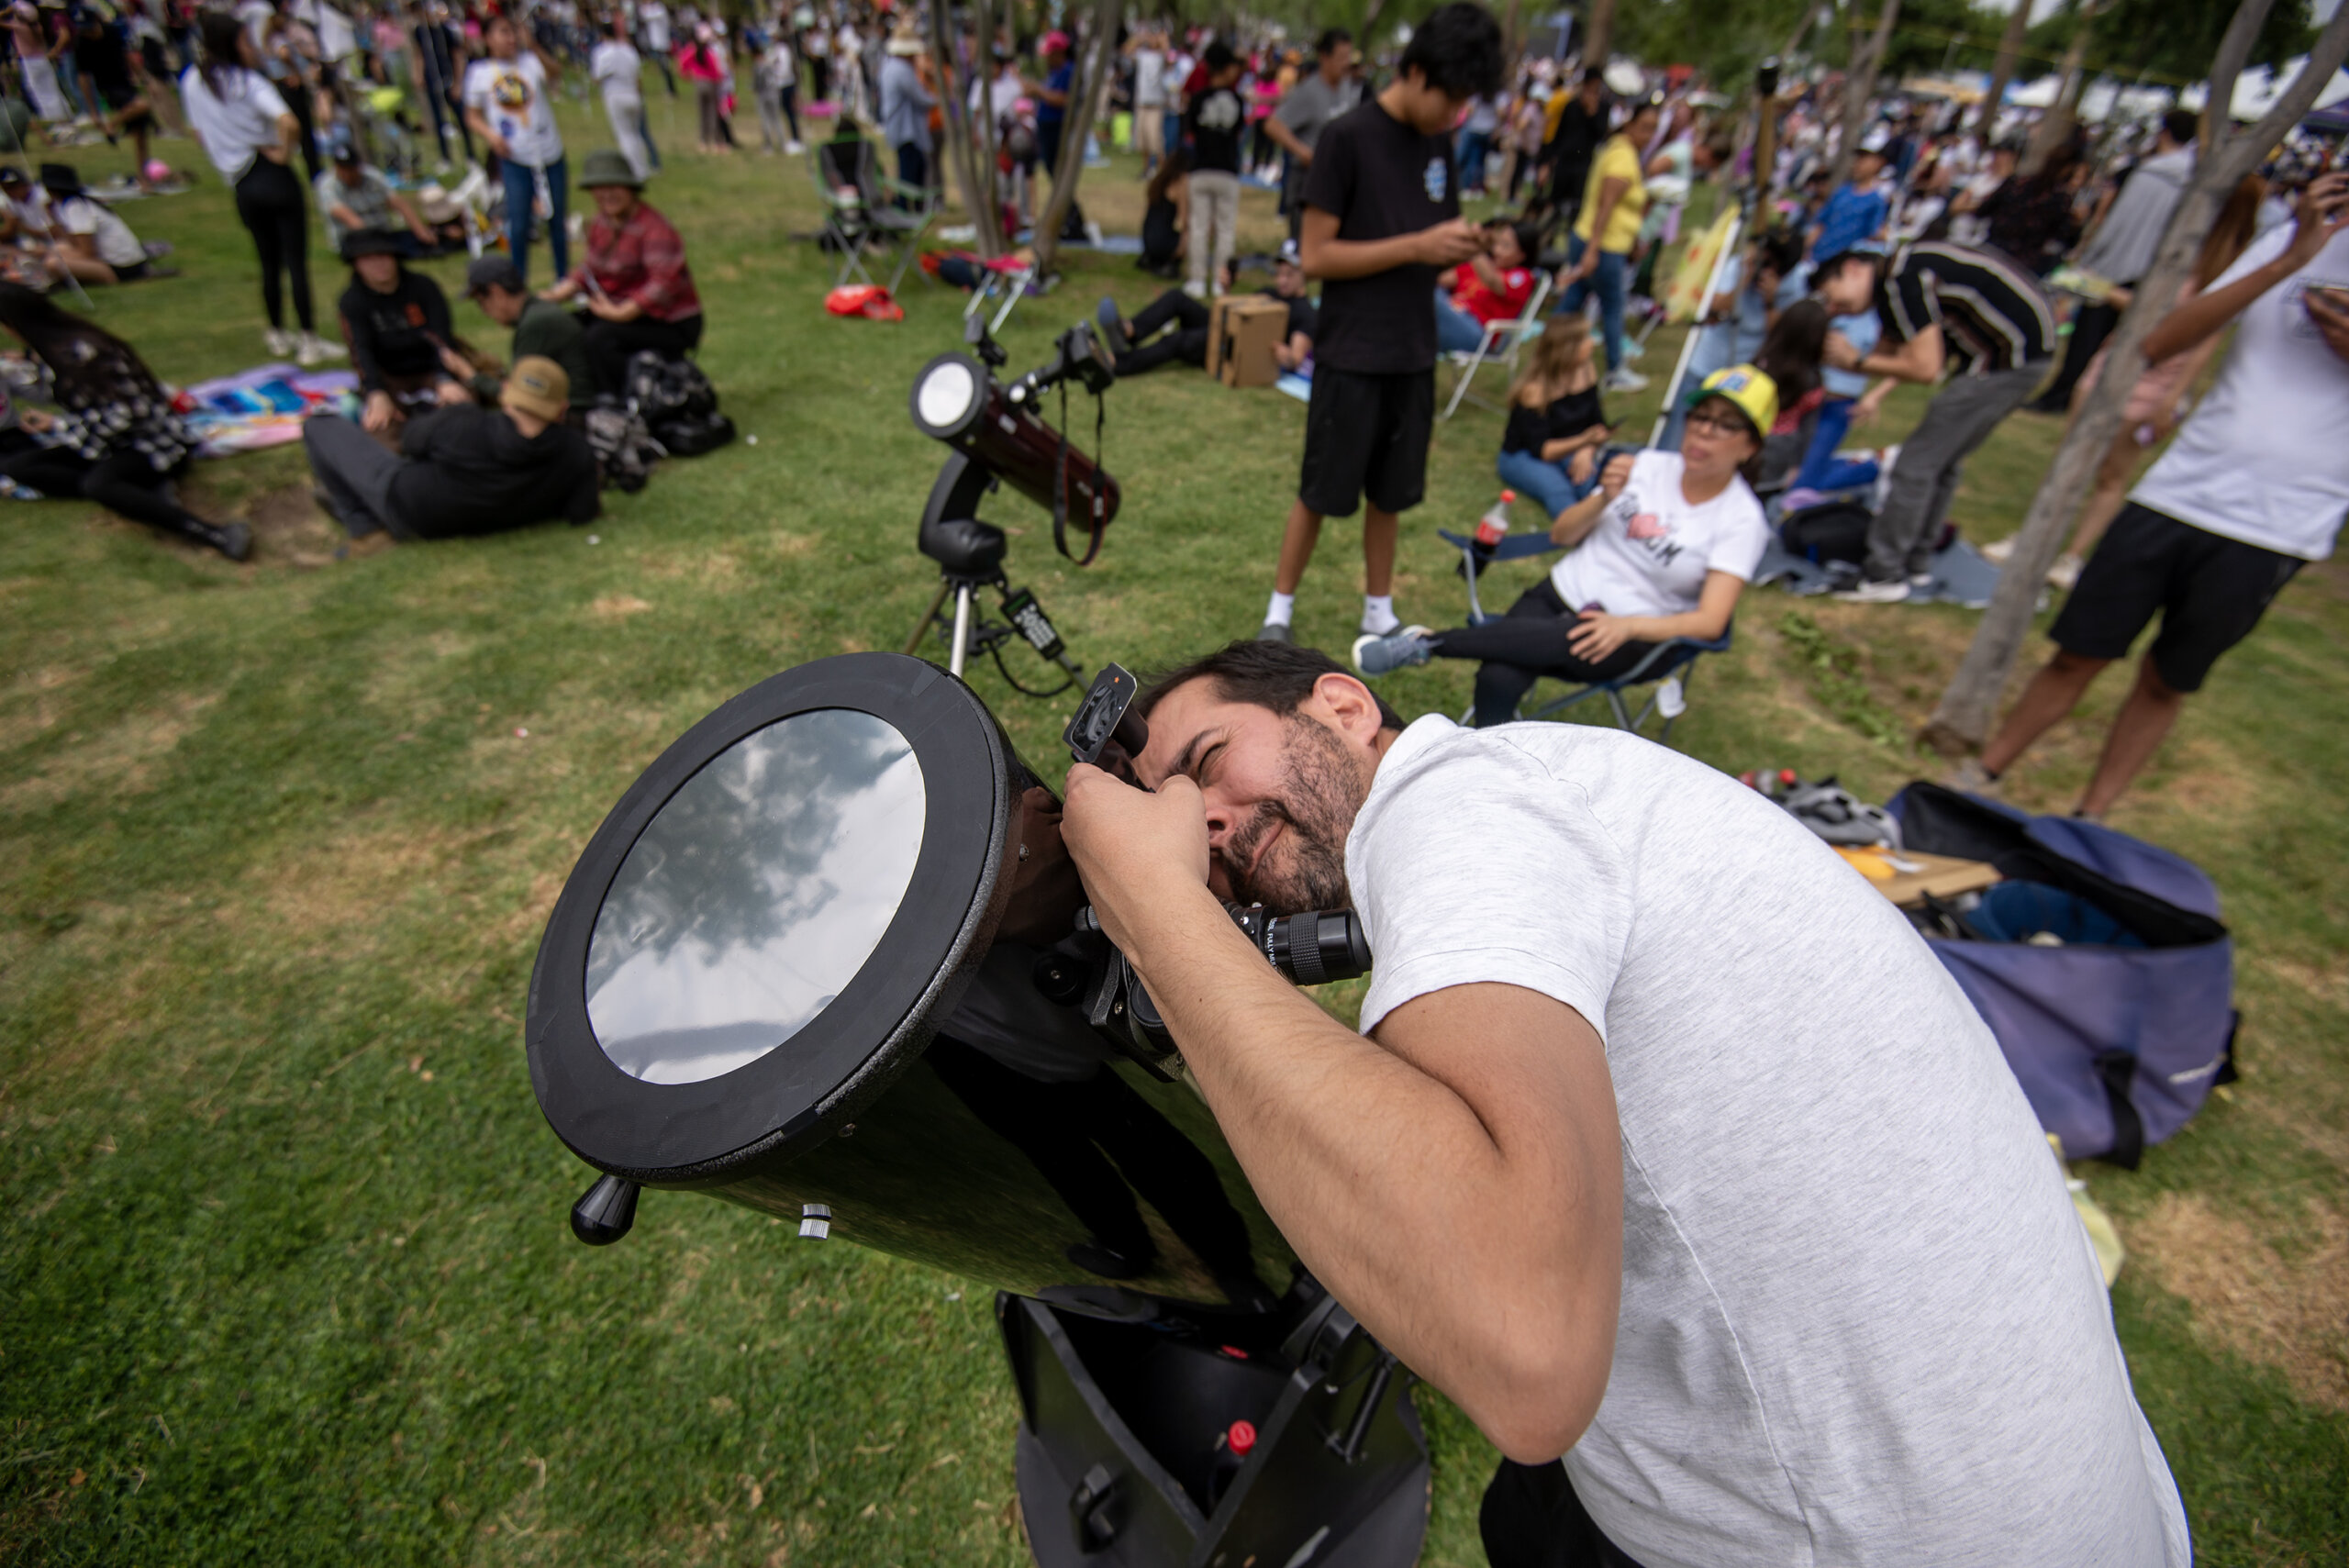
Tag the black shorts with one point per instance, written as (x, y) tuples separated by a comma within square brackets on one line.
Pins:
[(2210, 591), (1366, 436)]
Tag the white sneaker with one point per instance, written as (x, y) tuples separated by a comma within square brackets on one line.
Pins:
[(314, 348), (1623, 379), (1197, 291), (1997, 552), (794, 149), (1405, 646), (1866, 593), (281, 342), (1970, 777), (2064, 576), (1394, 623), (1883, 491)]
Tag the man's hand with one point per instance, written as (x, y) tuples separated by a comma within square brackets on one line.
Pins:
[(1132, 847), (455, 363), (497, 145), (452, 393), (2322, 212), (1450, 243), (1579, 462), (2326, 309), (377, 416)]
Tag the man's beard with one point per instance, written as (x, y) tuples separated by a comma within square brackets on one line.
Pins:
[(1321, 788)]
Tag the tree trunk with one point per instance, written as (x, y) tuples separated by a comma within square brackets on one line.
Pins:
[(955, 105), (1598, 34), (1100, 53), (1859, 87), (2063, 113), (1961, 722), (2002, 73)]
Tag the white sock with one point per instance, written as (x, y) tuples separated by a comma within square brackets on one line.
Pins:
[(1282, 610), (1378, 613)]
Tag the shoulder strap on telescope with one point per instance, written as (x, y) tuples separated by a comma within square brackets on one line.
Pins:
[(1059, 483)]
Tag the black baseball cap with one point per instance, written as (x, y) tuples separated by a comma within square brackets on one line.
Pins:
[(492, 272)]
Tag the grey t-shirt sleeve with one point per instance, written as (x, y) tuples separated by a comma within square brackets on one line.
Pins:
[(1306, 110), (1478, 865)]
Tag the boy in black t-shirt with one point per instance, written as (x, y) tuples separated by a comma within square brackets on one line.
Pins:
[(1382, 219), (1213, 125)]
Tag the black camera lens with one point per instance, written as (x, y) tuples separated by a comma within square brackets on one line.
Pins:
[(1310, 949)]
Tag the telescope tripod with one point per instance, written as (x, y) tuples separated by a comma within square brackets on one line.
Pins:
[(970, 553)]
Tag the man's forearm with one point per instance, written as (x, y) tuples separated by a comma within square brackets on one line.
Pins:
[(1466, 1260), (1358, 258)]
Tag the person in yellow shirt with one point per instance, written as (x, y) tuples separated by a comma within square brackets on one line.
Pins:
[(1598, 252)]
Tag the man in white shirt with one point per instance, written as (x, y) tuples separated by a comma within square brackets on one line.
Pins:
[(618, 70), (653, 18), (1671, 1147), (1149, 56), (2254, 487)]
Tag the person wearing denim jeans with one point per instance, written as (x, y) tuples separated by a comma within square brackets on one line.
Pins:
[(507, 100), (1556, 421), (1552, 484), (1598, 253)]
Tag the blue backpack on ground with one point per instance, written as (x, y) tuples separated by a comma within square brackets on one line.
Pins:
[(2099, 963)]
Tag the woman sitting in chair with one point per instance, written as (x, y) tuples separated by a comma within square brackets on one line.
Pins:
[(1661, 550), (1493, 286)]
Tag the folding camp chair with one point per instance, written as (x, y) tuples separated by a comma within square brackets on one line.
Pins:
[(1668, 660), (866, 210), (1502, 341), (1005, 276)]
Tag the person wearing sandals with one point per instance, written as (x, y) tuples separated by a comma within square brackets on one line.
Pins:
[(1661, 550)]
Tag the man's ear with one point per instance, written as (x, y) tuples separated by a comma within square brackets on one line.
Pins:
[(1347, 707)]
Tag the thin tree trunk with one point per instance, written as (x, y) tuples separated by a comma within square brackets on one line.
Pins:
[(1859, 88), (2002, 73), (1961, 722), (955, 105), (1085, 91), (2057, 125), (1598, 34)]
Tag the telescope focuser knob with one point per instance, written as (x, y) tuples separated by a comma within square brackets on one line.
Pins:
[(604, 1212)]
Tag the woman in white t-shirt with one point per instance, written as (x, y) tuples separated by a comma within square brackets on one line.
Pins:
[(244, 126), (507, 100), (1661, 550), (617, 69)]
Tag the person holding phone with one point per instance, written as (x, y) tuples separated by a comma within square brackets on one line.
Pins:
[(1556, 423), (2255, 487), (639, 291)]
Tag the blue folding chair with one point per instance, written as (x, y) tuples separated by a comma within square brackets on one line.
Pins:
[(1678, 656)]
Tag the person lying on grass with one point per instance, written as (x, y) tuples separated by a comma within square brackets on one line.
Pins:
[(115, 441), (1662, 549), (1174, 327)]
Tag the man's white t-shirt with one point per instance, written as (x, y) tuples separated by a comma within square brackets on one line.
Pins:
[(236, 126), (511, 95), (2265, 457), (615, 67), (1861, 1322), (1650, 550), (654, 18), (1150, 79)]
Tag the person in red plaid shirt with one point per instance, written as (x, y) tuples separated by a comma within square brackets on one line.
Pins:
[(637, 288)]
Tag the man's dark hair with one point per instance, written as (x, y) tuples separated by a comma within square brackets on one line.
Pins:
[(2183, 124), (1330, 40), (1219, 56), (1277, 676), (1457, 52)]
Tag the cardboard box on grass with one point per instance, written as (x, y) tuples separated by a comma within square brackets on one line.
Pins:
[(1243, 332)]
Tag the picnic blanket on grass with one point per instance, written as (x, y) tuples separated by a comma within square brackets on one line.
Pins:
[(264, 406), (1960, 575)]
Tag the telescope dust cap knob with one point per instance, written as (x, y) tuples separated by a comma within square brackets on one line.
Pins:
[(606, 1211)]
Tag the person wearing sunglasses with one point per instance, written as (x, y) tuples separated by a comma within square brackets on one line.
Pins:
[(1662, 549)]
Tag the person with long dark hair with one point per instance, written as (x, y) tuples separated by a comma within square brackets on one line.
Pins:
[(117, 440), (243, 125)]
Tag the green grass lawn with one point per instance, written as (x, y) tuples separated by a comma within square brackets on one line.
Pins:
[(284, 1273)]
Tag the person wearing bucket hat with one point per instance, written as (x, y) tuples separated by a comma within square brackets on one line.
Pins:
[(85, 237), (1662, 549), (635, 282), (397, 322), (905, 104), (461, 469)]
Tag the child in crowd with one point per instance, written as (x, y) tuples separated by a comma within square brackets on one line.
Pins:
[(1556, 425), (1493, 286), (1166, 216), (1382, 222), (1215, 124)]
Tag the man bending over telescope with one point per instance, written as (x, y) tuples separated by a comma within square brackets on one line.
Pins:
[(1667, 1146)]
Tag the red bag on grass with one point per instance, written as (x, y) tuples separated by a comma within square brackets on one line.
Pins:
[(868, 300)]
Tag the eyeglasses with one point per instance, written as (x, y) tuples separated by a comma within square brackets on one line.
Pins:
[(1715, 425)]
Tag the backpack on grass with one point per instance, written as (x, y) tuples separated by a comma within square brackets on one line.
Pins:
[(677, 404), (624, 447), (2099, 962)]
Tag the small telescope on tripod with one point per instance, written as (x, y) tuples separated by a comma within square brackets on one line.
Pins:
[(829, 959), (999, 437)]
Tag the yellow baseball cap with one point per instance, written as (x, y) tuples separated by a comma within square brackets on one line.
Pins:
[(1753, 392), (538, 385)]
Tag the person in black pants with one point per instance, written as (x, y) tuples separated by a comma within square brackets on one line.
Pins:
[(636, 285), (117, 442), (1139, 347)]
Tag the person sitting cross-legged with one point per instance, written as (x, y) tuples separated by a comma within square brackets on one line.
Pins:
[(1662, 549), (462, 469), (1145, 342), (635, 282), (542, 328), (397, 322)]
